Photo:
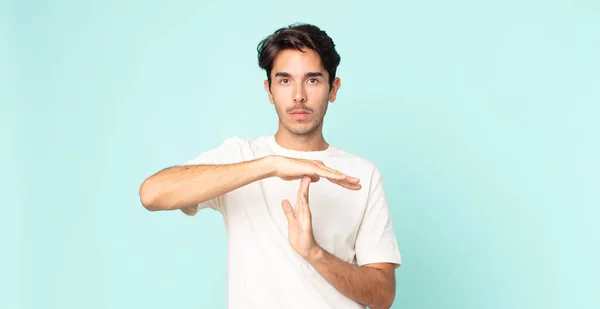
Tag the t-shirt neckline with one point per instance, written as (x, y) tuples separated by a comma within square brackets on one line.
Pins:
[(317, 154)]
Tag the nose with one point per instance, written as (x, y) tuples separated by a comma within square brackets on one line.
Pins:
[(299, 94)]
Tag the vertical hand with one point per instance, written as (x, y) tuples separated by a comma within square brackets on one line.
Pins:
[(300, 233)]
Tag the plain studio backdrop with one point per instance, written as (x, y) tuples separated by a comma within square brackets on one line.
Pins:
[(482, 115)]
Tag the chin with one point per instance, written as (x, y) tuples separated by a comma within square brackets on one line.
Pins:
[(303, 129)]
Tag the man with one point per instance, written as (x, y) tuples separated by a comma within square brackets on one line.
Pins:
[(336, 247)]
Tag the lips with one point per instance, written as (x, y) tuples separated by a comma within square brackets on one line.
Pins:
[(300, 114)]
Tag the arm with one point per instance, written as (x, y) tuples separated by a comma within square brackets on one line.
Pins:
[(177, 187), (182, 186), (372, 285)]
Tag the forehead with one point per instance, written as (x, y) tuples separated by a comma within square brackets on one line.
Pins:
[(296, 62)]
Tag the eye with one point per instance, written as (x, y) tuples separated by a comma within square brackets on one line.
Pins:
[(284, 80), (313, 81)]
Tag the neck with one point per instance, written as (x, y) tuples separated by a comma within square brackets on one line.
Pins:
[(308, 142)]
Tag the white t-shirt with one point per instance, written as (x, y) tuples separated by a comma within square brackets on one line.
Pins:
[(264, 271)]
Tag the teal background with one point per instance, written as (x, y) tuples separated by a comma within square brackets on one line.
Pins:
[(482, 115)]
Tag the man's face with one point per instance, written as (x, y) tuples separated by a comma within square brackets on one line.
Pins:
[(300, 90)]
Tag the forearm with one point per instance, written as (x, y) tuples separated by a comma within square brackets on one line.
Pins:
[(365, 285), (181, 186)]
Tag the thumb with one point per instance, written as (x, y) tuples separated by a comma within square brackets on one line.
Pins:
[(289, 212)]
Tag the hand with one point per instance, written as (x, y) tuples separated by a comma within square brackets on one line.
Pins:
[(291, 168), (300, 233)]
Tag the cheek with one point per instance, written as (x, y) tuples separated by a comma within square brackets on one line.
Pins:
[(280, 95), (317, 91), (317, 97)]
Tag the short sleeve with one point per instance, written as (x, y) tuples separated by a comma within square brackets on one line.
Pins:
[(376, 238), (230, 151)]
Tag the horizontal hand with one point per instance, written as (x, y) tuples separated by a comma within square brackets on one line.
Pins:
[(291, 168)]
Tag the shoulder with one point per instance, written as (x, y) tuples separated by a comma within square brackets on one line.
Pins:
[(228, 150), (235, 144), (243, 148), (234, 141)]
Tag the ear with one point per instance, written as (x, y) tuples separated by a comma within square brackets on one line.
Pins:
[(266, 85), (335, 86)]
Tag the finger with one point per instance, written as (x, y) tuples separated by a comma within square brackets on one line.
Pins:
[(345, 181), (338, 175), (322, 172), (322, 165), (347, 185), (302, 198), (352, 180), (303, 190), (338, 178), (347, 178), (288, 210)]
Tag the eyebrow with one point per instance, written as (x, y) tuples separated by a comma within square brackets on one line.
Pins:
[(309, 74)]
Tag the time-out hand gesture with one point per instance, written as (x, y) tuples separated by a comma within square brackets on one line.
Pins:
[(292, 168), (300, 233)]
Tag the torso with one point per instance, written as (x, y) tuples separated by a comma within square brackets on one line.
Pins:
[(261, 261)]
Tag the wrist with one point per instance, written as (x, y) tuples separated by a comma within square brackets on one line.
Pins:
[(269, 165), (315, 255)]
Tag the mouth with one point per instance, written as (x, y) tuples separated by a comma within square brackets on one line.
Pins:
[(300, 114)]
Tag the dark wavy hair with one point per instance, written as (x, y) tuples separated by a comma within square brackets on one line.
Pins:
[(298, 36)]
